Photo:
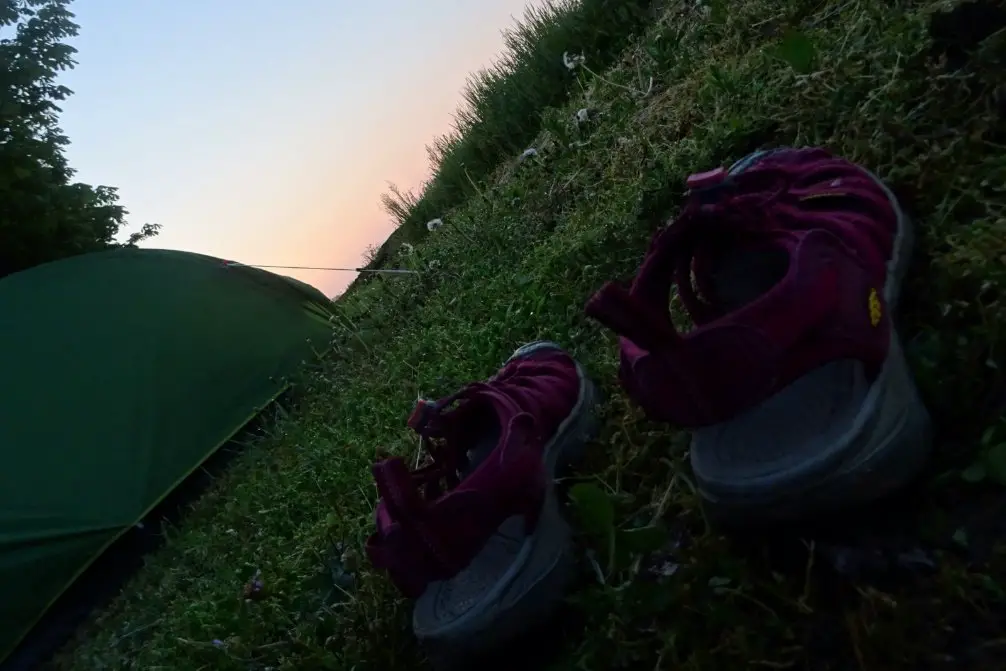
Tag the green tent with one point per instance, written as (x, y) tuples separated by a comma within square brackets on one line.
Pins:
[(122, 372)]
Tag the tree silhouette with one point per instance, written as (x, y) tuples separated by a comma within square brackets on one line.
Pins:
[(44, 215)]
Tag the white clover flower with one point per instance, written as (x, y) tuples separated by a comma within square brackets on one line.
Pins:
[(434, 224), (574, 61), (407, 248)]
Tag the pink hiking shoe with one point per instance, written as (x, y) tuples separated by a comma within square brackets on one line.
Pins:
[(477, 536), (793, 379)]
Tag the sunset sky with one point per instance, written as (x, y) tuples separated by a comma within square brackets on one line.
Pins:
[(266, 134)]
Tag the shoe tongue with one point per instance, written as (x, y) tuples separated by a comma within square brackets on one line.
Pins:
[(783, 288), (484, 445), (481, 427), (738, 275)]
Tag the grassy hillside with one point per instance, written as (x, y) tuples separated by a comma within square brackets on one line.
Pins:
[(914, 584), (501, 106)]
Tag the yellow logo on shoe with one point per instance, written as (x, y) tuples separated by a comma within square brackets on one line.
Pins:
[(875, 311)]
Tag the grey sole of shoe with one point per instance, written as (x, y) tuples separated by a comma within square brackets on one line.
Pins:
[(863, 455), (539, 572), (857, 441)]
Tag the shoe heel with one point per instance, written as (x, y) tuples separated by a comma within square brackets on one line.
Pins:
[(584, 425), (568, 448)]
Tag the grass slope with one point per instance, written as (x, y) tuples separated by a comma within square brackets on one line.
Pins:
[(501, 105), (519, 260)]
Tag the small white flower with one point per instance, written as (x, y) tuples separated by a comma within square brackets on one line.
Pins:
[(582, 115), (407, 248), (528, 153), (666, 569), (574, 61), (434, 224)]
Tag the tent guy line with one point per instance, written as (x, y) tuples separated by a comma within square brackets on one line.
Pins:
[(391, 271)]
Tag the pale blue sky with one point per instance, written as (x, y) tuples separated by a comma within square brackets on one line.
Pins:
[(262, 132)]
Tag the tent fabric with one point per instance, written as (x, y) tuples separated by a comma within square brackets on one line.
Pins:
[(121, 372)]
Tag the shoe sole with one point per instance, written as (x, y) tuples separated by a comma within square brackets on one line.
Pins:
[(536, 583), (886, 446)]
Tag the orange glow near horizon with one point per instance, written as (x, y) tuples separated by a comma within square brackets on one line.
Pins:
[(270, 157)]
